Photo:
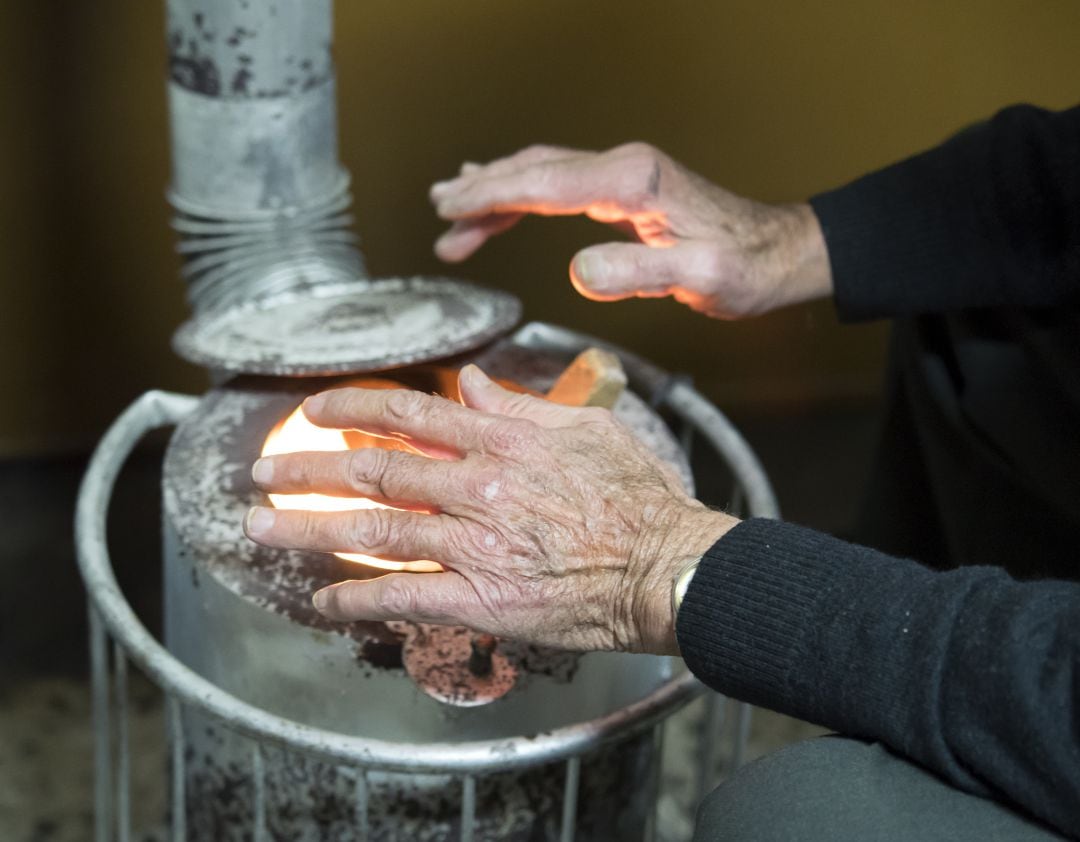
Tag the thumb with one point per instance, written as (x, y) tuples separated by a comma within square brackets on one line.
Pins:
[(479, 391), (614, 271)]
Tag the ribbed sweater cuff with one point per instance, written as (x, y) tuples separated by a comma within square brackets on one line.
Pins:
[(987, 219), (888, 236), (748, 607)]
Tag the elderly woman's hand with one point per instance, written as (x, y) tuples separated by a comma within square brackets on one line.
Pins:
[(554, 524), (719, 253)]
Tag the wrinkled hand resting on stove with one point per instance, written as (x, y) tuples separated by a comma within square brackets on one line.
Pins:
[(554, 524)]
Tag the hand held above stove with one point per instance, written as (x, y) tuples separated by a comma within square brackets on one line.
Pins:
[(721, 254)]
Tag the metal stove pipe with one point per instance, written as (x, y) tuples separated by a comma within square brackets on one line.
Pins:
[(260, 194)]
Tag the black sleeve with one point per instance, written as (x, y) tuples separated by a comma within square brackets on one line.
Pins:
[(990, 218), (968, 672)]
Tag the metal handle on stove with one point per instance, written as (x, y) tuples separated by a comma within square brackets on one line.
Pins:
[(108, 609)]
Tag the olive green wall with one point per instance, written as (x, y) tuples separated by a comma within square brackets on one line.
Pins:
[(777, 100)]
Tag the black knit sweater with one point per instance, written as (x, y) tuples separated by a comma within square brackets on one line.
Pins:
[(969, 672)]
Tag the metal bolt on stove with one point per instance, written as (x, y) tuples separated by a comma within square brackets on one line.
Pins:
[(283, 725)]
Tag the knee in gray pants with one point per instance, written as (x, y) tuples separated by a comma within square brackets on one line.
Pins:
[(839, 789)]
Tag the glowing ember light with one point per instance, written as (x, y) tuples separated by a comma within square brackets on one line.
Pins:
[(295, 434)]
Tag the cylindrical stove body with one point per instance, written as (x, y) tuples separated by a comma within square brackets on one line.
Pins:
[(240, 615)]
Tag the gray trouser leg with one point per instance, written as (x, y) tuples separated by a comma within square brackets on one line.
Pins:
[(842, 790)]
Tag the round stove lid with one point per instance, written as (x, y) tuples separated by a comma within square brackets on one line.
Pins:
[(365, 325)]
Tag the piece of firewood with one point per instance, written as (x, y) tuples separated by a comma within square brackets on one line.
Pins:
[(594, 378)]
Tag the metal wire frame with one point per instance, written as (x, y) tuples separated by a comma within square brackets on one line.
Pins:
[(112, 617)]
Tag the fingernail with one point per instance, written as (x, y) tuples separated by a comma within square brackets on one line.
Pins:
[(262, 471), (443, 243), (259, 520), (474, 376), (591, 270), (314, 405), (320, 599), (448, 209), (440, 187)]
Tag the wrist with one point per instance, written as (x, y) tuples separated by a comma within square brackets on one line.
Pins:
[(794, 255), (680, 585), (676, 548)]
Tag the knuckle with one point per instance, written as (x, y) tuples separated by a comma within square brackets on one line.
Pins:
[(483, 487), (511, 437), (311, 530), (537, 150), (402, 404), (642, 158), (644, 166), (537, 185), (306, 470), (371, 529), (366, 468), (480, 541), (343, 600), (638, 150), (713, 264), (398, 596)]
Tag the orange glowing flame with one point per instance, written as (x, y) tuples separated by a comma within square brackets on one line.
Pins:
[(295, 434)]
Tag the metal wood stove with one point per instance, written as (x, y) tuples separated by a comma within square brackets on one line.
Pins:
[(282, 724)]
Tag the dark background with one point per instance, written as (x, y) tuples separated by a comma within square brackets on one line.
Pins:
[(773, 99)]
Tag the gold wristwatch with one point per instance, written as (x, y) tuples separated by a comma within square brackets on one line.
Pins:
[(680, 584)]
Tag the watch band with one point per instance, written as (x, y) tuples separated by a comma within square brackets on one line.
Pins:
[(680, 584)]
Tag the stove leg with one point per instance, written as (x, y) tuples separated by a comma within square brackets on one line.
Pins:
[(712, 731), (177, 798), (99, 677), (743, 713), (468, 808), (123, 748), (362, 826), (570, 798), (258, 780), (654, 797)]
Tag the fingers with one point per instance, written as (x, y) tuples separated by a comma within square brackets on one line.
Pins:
[(443, 598), (465, 236), (521, 159), (614, 271), (383, 533), (608, 186), (428, 422), (530, 155), (386, 476)]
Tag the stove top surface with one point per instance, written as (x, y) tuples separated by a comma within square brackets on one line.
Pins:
[(343, 328)]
